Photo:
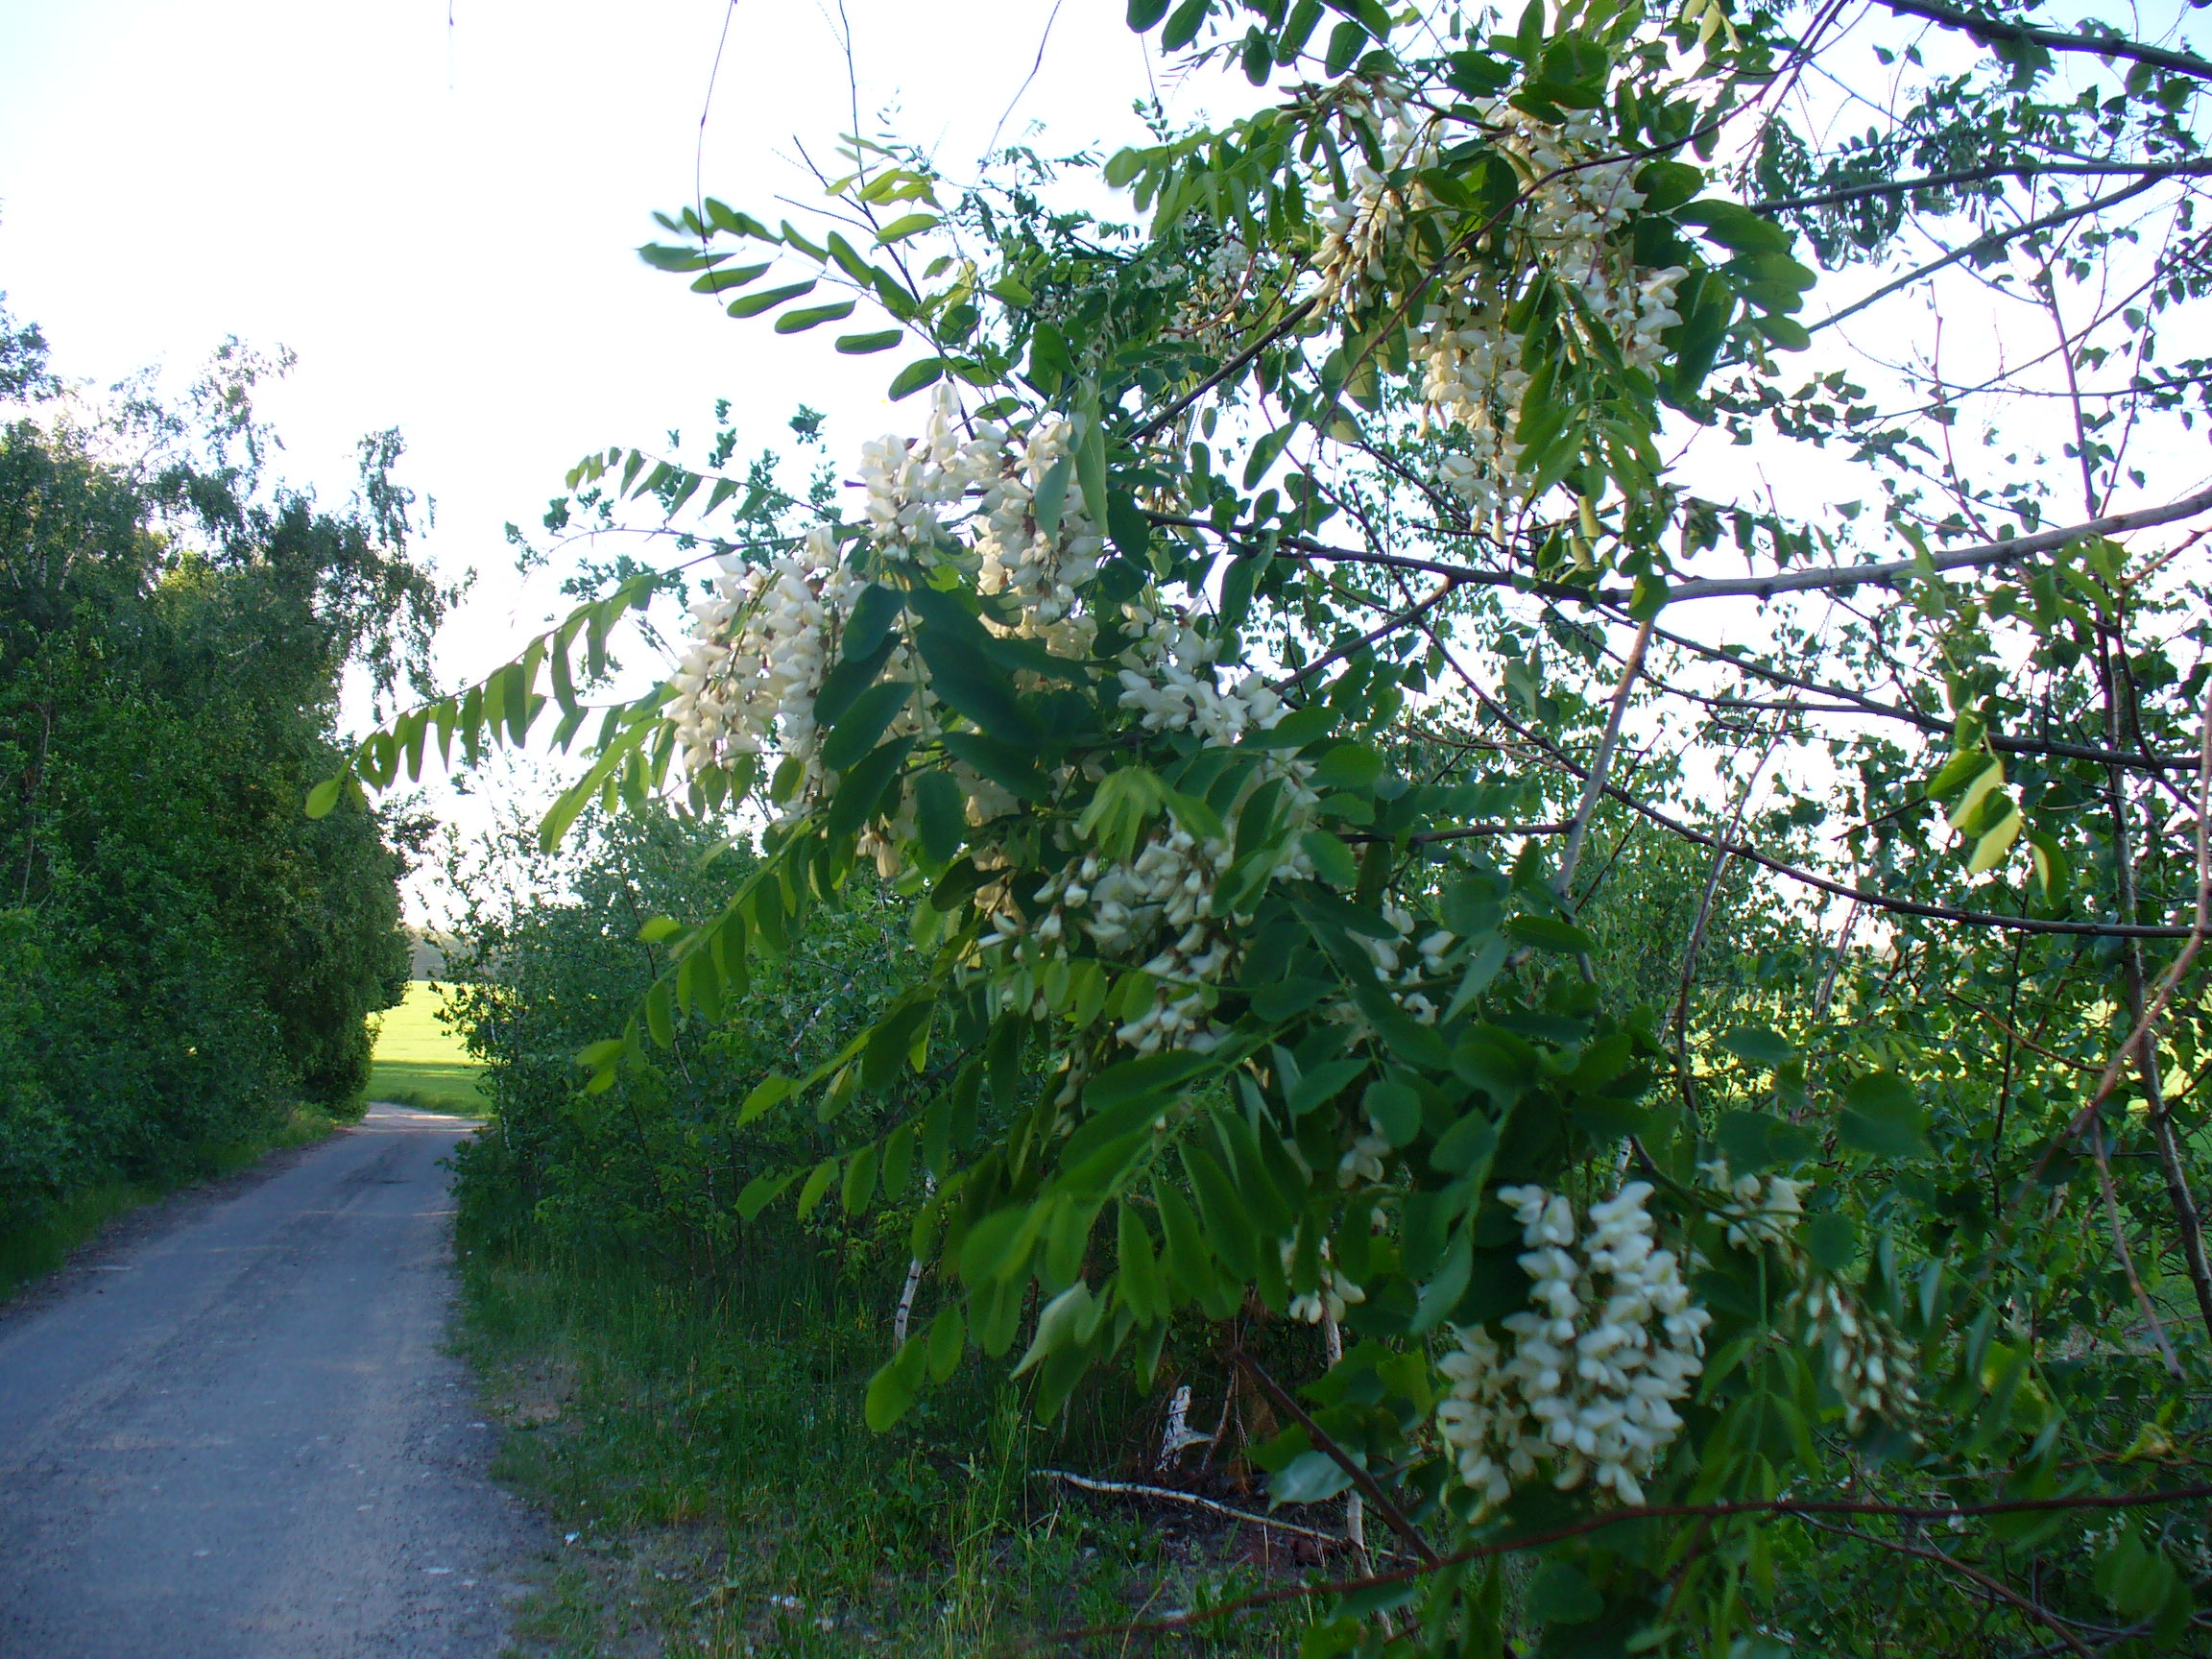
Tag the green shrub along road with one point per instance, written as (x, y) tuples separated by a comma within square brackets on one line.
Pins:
[(189, 961)]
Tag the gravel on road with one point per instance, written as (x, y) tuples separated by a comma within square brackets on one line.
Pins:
[(240, 1434)]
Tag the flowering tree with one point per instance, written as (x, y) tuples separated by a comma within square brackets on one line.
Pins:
[(1273, 607)]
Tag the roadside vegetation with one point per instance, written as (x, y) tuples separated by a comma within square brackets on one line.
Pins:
[(189, 963), (1519, 768)]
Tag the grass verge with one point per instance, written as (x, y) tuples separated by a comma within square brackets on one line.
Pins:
[(700, 1447), (421, 1061), (32, 1245)]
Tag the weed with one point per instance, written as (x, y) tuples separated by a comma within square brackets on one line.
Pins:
[(700, 1445)]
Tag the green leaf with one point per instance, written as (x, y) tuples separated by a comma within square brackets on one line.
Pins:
[(859, 344), (859, 1188), (1143, 13), (1468, 1144), (864, 787), (323, 797), (1332, 860), (1395, 1109), (1352, 766), (1881, 1116), (1546, 934), (813, 316), (771, 1091), (860, 726), (891, 1391), (753, 305), (817, 1184), (720, 282), (1344, 43), (922, 372), (947, 1337), (1229, 1228), (1560, 1593), (1182, 27), (762, 1191), (1323, 1084), (1758, 1046), (1148, 1076), (940, 816), (997, 1246), (1309, 1477), (905, 226), (1141, 1288), (1832, 1241)]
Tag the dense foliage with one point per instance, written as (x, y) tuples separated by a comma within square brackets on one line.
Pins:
[(549, 956), (185, 956), (1327, 663)]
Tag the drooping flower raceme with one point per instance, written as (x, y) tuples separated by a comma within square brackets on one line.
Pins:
[(762, 640), (1758, 1211), (1869, 1365), (1572, 225), (1610, 1341)]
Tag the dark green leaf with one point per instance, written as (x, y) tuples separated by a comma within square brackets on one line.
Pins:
[(855, 733), (753, 305), (922, 372), (1881, 1116), (812, 316)]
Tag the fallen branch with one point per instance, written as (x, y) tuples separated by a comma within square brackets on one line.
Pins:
[(1786, 1508), (1168, 1494)]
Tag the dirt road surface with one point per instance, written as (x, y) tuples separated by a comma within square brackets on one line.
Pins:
[(239, 1436)]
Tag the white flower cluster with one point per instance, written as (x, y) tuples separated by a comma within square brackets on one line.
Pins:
[(1167, 677), (1360, 231), (1401, 963), (765, 636), (1571, 227), (762, 641), (1329, 1297), (1611, 1342), (1758, 1211), (1869, 1365)]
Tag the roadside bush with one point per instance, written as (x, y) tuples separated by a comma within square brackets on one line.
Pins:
[(187, 958)]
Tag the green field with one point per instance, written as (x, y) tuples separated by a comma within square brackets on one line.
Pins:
[(420, 1061)]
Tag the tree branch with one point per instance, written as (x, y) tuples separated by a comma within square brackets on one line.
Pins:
[(1786, 1508), (1369, 1488), (1982, 175), (1991, 30)]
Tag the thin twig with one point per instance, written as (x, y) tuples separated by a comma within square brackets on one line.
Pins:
[(1369, 1488), (1996, 1587), (1797, 1508), (1168, 1494)]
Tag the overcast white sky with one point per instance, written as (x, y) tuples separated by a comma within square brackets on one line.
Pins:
[(440, 218), (437, 211)]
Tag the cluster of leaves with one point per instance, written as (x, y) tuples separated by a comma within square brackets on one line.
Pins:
[(185, 956), (1934, 1003)]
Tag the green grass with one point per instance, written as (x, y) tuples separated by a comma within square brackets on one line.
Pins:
[(700, 1448), (419, 1060), (33, 1245)]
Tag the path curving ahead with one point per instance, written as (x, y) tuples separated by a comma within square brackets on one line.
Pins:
[(241, 1437)]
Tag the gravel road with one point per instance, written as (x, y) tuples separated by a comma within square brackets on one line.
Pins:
[(237, 1434)]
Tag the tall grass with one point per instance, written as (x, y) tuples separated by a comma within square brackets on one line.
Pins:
[(703, 1441), (421, 1061)]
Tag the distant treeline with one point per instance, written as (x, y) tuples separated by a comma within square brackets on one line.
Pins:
[(184, 955)]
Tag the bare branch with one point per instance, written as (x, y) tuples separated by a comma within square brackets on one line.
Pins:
[(1990, 31)]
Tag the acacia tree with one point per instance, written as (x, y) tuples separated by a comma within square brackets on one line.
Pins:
[(1295, 609)]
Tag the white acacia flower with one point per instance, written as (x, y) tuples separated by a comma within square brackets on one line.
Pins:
[(1609, 1342)]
